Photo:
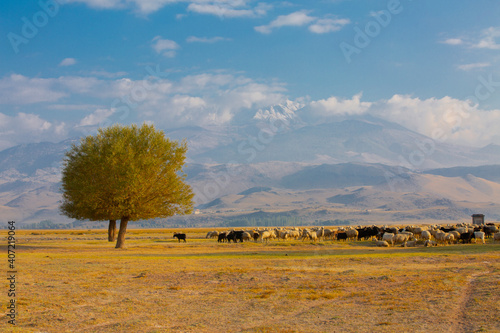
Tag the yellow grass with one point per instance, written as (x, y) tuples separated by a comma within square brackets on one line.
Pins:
[(160, 285)]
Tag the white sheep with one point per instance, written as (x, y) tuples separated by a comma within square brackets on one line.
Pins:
[(382, 244), (265, 235), (479, 235), (425, 235), (352, 234), (449, 238), (440, 236), (430, 243), (388, 237)]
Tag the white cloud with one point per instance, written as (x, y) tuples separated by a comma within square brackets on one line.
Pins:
[(18, 89), (97, 117), (221, 8), (447, 119), (323, 26), (208, 99), (295, 19), (453, 41), (302, 18), (193, 39), (489, 39), (334, 106), (67, 62), (165, 47), (228, 8), (468, 67), (28, 128)]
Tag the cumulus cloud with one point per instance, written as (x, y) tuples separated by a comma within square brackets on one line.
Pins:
[(165, 47), (28, 128), (98, 116), (446, 119), (488, 39), (211, 40), (208, 99), (18, 89), (295, 19), (221, 8), (323, 26), (302, 18), (468, 67), (334, 106), (228, 8), (216, 98), (453, 41), (67, 62)]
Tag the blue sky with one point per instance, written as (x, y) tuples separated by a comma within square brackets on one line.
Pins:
[(67, 67)]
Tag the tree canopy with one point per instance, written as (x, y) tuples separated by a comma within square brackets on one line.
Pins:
[(125, 173)]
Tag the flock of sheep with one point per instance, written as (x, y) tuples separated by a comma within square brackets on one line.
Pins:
[(384, 236)]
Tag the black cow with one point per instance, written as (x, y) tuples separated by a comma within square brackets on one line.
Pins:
[(255, 236), (341, 236), (235, 236), (180, 236), (489, 230), (222, 237), (466, 237), (367, 232)]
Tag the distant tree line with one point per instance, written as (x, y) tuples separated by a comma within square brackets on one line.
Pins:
[(272, 221), (45, 224)]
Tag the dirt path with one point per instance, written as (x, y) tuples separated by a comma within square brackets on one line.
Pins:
[(466, 302)]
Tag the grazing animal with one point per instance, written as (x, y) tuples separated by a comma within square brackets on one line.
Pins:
[(489, 230), (180, 236), (449, 238), (341, 236), (382, 244), (328, 233), (479, 235), (352, 234), (246, 236), (425, 235), (496, 237), (212, 234), (456, 235), (388, 237), (430, 243), (440, 236), (401, 238), (221, 238), (265, 235), (466, 237), (235, 236)]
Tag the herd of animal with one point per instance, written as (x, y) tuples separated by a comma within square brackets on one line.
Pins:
[(383, 236)]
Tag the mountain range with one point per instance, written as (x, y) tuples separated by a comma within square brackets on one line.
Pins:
[(357, 167)]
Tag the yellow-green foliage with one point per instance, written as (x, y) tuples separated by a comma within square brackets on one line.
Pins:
[(125, 172)]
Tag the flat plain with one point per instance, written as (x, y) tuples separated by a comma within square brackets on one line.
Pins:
[(76, 281)]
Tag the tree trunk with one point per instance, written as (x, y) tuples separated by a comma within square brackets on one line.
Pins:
[(112, 231), (120, 243)]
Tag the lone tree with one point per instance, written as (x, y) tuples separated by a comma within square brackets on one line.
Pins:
[(125, 173)]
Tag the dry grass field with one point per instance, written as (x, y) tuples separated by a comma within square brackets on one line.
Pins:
[(75, 281)]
